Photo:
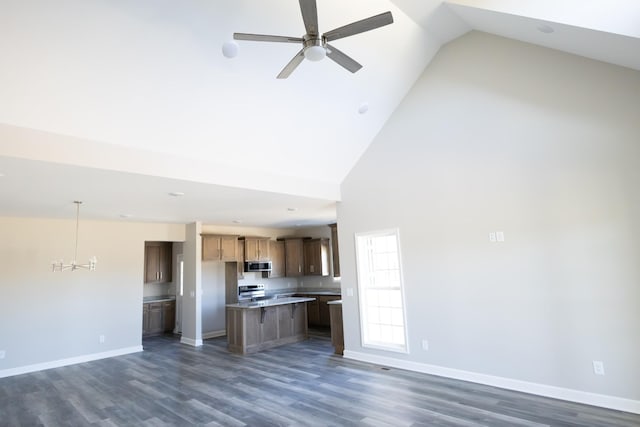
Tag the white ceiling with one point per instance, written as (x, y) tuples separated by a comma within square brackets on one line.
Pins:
[(119, 103)]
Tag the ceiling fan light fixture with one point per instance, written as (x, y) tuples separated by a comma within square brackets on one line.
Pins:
[(315, 53)]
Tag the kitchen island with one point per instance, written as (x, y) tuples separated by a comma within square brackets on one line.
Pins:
[(258, 325)]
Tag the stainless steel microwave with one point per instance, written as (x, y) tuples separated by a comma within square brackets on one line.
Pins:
[(257, 266)]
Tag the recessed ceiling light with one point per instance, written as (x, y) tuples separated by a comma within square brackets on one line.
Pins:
[(230, 49), (237, 221), (125, 215), (292, 209), (176, 194), (364, 107), (544, 28), (1, 174)]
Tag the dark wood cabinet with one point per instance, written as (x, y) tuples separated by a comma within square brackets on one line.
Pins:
[(251, 330), (316, 257), (293, 257), (318, 311), (168, 316), (156, 325), (158, 264), (158, 317)]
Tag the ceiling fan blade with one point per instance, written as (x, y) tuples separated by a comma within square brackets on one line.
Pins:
[(310, 16), (358, 27), (342, 59), (288, 69), (266, 38)]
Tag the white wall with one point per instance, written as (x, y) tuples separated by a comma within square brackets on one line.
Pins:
[(46, 316), (499, 135)]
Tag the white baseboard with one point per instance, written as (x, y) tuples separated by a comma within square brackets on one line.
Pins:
[(68, 361), (604, 401), (191, 342), (214, 334)]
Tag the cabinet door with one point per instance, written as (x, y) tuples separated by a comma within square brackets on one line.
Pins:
[(256, 249), (166, 262), (169, 315), (157, 262), (316, 257), (155, 318), (276, 251), (263, 250), (251, 250), (293, 255), (210, 248), (228, 248), (151, 262)]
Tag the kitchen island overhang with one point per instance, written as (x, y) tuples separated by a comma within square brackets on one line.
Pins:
[(258, 325)]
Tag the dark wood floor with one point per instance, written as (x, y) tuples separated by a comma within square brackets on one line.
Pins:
[(299, 384)]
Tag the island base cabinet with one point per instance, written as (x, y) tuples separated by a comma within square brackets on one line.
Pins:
[(254, 329)]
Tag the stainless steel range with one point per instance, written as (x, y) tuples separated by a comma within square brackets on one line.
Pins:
[(249, 292)]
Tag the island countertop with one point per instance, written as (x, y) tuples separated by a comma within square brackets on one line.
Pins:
[(269, 302)]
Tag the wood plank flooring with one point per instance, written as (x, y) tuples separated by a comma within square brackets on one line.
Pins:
[(301, 384)]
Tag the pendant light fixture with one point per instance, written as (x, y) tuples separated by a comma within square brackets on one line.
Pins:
[(61, 266)]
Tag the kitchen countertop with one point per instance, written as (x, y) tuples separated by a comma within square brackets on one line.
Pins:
[(269, 302), (159, 298)]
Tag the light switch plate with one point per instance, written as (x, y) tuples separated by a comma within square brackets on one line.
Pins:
[(2, 354), (500, 236), (492, 237), (349, 292)]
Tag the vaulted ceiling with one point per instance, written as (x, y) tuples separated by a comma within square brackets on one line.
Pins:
[(119, 103)]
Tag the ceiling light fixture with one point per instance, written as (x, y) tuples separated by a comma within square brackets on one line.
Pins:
[(61, 266), (176, 194), (230, 49), (364, 107)]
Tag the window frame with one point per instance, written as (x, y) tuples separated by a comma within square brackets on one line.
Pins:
[(362, 287)]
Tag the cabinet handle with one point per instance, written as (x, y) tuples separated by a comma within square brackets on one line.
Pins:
[(157, 276), (221, 253), (161, 275), (299, 268)]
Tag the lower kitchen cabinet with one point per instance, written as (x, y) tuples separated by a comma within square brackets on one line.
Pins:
[(158, 317), (254, 329), (318, 310)]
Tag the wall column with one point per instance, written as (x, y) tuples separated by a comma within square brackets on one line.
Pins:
[(192, 299)]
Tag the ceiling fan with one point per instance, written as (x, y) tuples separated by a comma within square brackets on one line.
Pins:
[(315, 46)]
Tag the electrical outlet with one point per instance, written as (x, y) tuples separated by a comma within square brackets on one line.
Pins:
[(2, 354), (425, 345), (101, 339), (598, 367)]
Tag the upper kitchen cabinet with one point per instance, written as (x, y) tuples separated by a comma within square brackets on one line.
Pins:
[(219, 248), (316, 257), (276, 252), (157, 262), (335, 254), (256, 249), (293, 257)]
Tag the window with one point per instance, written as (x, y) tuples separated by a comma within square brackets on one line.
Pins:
[(380, 289)]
